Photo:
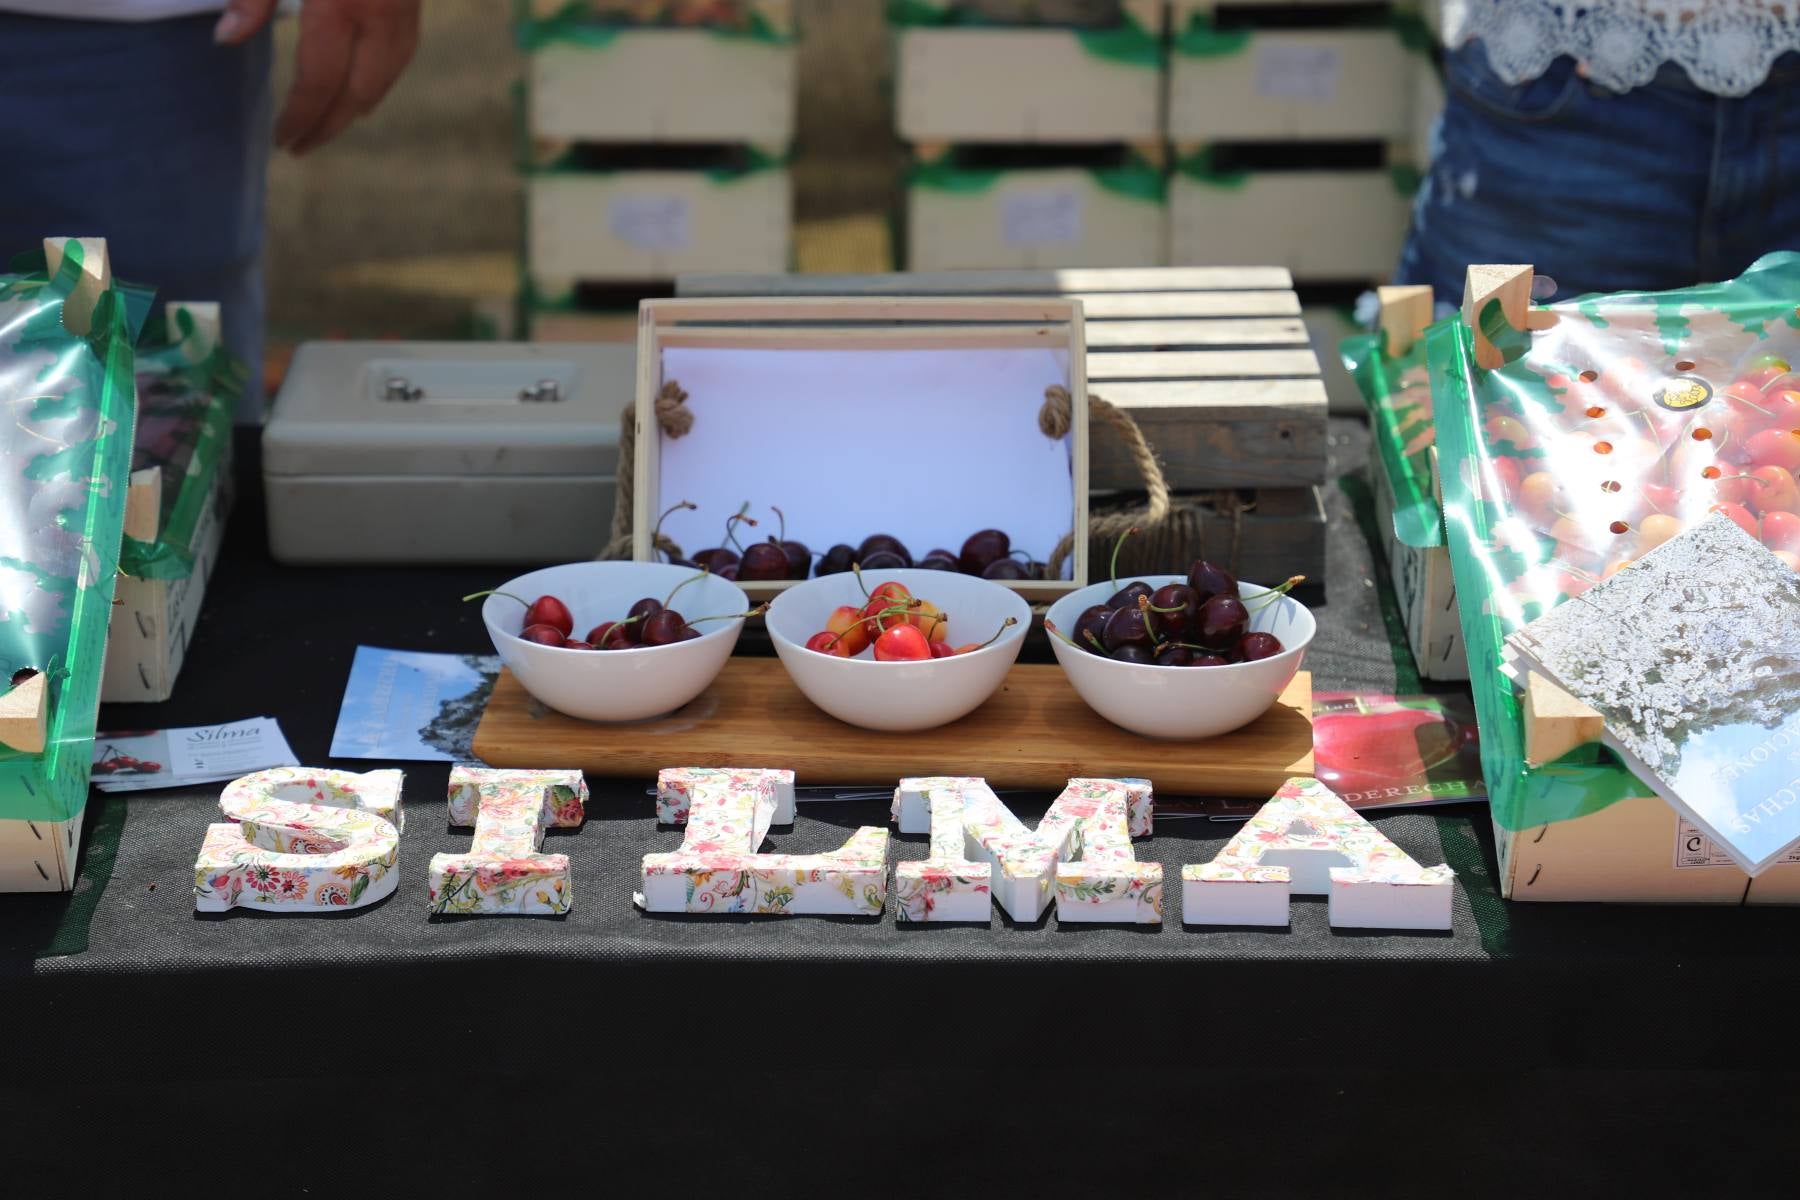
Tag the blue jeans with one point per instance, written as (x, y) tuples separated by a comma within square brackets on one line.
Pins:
[(1661, 187), (152, 137)]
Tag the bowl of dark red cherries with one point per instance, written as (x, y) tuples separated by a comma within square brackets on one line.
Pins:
[(615, 641), (1180, 656)]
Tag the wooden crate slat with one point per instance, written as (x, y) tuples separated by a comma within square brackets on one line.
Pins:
[(1274, 435), (990, 283), (1232, 331), (1202, 364), (1130, 306)]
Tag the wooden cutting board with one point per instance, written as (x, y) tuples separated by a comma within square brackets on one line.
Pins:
[(1033, 733)]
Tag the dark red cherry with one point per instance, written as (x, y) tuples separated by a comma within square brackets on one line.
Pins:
[(882, 541), (763, 561), (1131, 652), (1209, 580), (573, 644), (1127, 596), (1220, 623), (1172, 655), (662, 627), (728, 571), (543, 635), (1090, 628), (1209, 660), (619, 637), (1172, 609), (688, 634), (884, 560), (1005, 568), (643, 608), (982, 548), (1125, 627), (799, 559), (938, 560), (716, 560), (836, 560), (1253, 646)]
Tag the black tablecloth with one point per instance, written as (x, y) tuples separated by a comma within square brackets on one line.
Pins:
[(121, 994)]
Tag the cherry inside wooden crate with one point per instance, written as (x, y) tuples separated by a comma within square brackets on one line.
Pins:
[(830, 420), (1212, 364)]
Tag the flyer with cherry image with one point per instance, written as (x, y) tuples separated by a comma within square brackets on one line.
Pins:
[(165, 758), (1377, 750)]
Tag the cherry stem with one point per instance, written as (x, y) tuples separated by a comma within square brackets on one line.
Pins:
[(1268, 597), (731, 523), (1113, 567), (684, 583), (1004, 626), (656, 533), (758, 611), (1055, 632), (782, 517), (1143, 604), (495, 592)]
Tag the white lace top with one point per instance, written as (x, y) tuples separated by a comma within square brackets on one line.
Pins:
[(1726, 46)]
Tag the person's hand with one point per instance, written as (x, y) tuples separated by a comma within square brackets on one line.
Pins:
[(350, 54)]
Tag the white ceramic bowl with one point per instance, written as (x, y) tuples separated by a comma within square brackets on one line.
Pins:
[(1183, 702), (616, 685), (900, 697)]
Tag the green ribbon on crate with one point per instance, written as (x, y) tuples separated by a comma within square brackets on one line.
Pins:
[(574, 24), (1418, 521), (1127, 42), (97, 373), (1202, 167), (1135, 180), (1204, 39), (745, 161)]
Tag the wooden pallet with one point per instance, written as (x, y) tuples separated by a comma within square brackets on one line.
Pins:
[(1213, 363), (1034, 733)]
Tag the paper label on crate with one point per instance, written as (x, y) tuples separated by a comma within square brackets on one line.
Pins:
[(1694, 849), (649, 222), (1041, 218), (164, 758), (1298, 71)]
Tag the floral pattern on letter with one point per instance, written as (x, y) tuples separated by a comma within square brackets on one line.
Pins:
[(718, 870), (675, 790), (503, 872), (1297, 844), (301, 840), (1080, 854)]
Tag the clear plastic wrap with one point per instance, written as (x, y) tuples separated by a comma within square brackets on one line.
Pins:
[(1614, 423), (65, 454)]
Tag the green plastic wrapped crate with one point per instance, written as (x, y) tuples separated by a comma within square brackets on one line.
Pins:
[(181, 490), (66, 362), (1617, 421)]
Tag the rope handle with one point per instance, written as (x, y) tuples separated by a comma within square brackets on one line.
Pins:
[(1055, 419)]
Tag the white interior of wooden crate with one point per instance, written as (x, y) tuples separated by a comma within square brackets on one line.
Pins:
[(925, 432)]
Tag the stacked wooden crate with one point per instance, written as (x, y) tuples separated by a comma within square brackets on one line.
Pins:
[(1035, 132), (1291, 129), (1212, 363), (657, 138)]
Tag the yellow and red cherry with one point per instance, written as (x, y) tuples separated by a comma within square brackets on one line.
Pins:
[(1739, 514), (902, 643), (1775, 448), (930, 620), (1781, 531), (1656, 529), (846, 623), (827, 642), (1780, 491), (942, 650)]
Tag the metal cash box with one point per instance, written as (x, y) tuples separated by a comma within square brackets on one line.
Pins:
[(445, 452)]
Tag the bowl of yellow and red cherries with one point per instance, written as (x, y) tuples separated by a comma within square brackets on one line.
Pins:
[(900, 649), (1181, 656)]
